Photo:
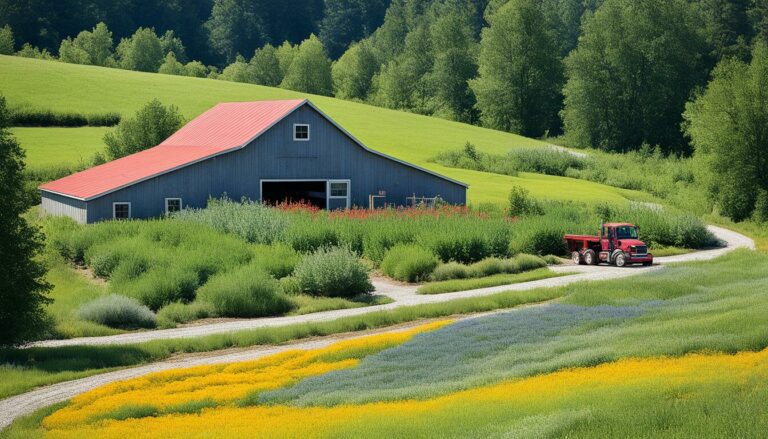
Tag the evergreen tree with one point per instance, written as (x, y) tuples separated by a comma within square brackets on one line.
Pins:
[(7, 42), (22, 287), (152, 124), (728, 125), (520, 71), (310, 70), (142, 52), (236, 27), (354, 71), (634, 68), (265, 67)]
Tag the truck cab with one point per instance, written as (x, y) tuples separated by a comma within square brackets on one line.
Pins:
[(617, 244)]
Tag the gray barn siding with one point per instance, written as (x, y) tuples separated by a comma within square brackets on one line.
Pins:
[(329, 154), (64, 206)]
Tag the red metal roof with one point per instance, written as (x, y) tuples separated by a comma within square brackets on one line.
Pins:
[(223, 128)]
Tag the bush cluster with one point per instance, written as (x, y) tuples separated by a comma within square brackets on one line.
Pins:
[(409, 263), (278, 260), (252, 221), (118, 311), (157, 262), (488, 267), (245, 292), (333, 272), (28, 117)]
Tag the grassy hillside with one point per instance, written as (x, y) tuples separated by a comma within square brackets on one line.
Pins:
[(60, 146), (76, 88)]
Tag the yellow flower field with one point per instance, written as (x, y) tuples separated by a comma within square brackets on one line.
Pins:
[(222, 385), (563, 395)]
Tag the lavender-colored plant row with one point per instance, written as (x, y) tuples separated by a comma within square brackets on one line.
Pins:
[(467, 354)]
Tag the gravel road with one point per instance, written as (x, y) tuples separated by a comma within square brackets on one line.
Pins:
[(19, 405)]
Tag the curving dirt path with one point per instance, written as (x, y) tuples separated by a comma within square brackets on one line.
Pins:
[(19, 405), (406, 296)]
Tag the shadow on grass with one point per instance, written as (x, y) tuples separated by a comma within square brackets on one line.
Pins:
[(74, 358)]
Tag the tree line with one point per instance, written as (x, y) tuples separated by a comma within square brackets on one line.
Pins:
[(618, 75)]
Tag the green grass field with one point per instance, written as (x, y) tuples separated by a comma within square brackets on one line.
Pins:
[(416, 138), (49, 147)]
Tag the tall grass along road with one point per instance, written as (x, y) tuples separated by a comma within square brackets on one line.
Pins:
[(406, 296)]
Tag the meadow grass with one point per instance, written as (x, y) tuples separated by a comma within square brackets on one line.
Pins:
[(699, 395), (449, 286), (33, 367), (415, 138), (56, 147), (712, 306), (28, 427)]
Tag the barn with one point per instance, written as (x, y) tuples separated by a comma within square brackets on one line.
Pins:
[(270, 151)]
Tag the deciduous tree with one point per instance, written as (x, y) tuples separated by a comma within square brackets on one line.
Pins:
[(631, 74), (7, 42), (152, 124), (728, 124), (353, 72), (142, 51), (520, 71), (310, 70)]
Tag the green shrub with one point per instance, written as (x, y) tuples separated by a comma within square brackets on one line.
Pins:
[(541, 241), (552, 260), (409, 263), (450, 270), (278, 260), (159, 287), (522, 204), (244, 292), (488, 267), (178, 312), (118, 311), (335, 272), (548, 161), (250, 220), (290, 285), (524, 262), (310, 239)]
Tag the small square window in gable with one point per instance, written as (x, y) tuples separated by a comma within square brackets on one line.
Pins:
[(301, 132)]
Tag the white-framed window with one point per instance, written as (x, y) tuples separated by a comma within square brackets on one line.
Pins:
[(172, 205), (301, 132), (338, 189), (121, 210)]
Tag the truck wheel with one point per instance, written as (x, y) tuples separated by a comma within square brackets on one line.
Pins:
[(647, 264), (620, 260), (590, 258), (576, 258)]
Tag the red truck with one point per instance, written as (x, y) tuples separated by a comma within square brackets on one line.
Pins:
[(617, 244)]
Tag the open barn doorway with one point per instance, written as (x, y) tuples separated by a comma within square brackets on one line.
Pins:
[(311, 192)]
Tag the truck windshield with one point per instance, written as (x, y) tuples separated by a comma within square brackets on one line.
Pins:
[(626, 232)]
